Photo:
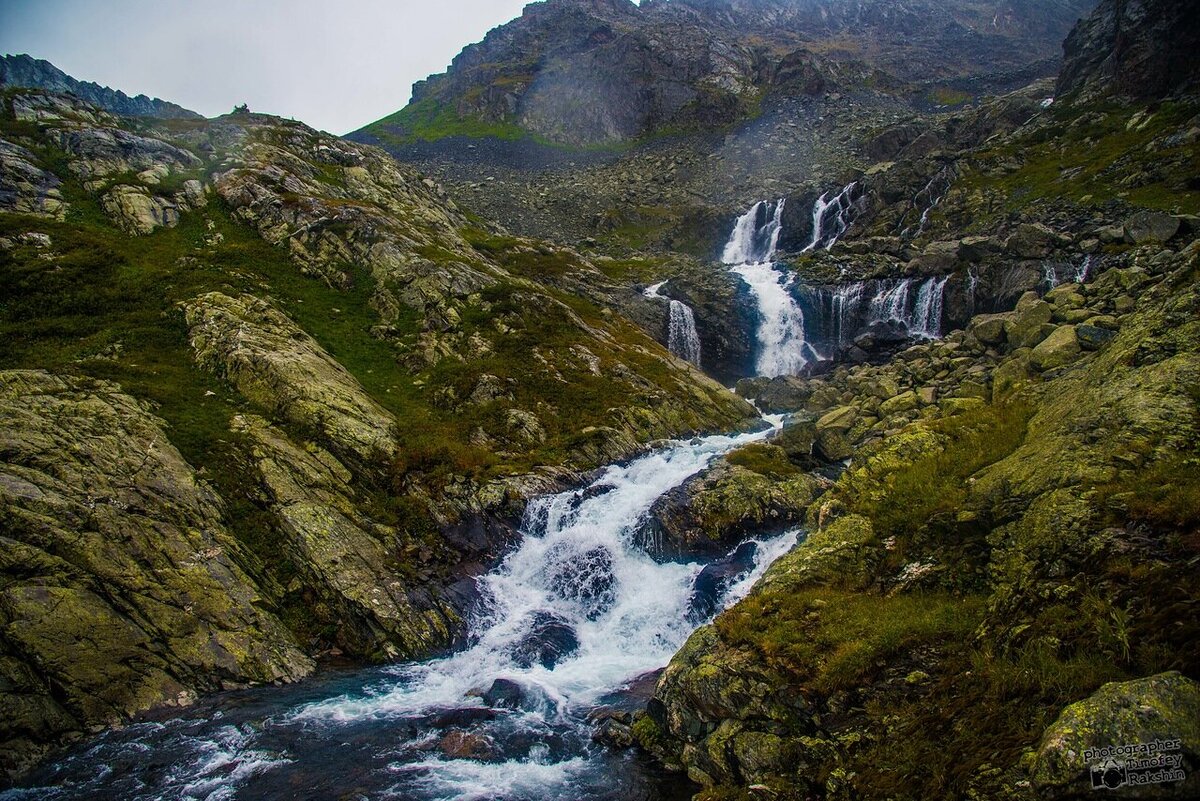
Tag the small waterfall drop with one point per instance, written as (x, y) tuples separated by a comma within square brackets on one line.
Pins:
[(683, 340), (925, 201), (831, 217), (927, 314), (750, 252)]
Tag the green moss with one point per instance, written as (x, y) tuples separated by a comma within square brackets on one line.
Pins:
[(1164, 496), (1097, 162), (947, 96), (766, 460), (835, 639)]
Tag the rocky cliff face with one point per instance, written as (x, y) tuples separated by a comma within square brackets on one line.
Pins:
[(27, 71), (594, 72), (122, 587), (1144, 49)]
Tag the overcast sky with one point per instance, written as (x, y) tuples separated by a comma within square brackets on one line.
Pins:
[(334, 64)]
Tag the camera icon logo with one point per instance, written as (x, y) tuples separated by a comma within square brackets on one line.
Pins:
[(1109, 775)]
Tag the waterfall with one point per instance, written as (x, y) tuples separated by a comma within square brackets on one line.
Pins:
[(683, 340), (840, 313), (891, 304), (844, 305), (831, 217), (1087, 267), (926, 200), (566, 622), (927, 314), (755, 235), (750, 252)]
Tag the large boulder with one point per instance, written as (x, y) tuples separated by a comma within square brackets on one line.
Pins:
[(1134, 739), (138, 212), (273, 363), (711, 513), (1151, 227), (1057, 350), (1031, 241)]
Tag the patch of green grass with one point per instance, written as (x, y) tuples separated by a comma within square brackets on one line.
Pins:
[(834, 639), (430, 120), (1164, 496), (1100, 161), (982, 714), (947, 96), (520, 257), (903, 500)]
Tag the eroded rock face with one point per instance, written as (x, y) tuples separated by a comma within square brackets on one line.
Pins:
[(23, 70), (711, 513), (119, 583), (1137, 48), (26, 188), (273, 363), (349, 561), (137, 211)]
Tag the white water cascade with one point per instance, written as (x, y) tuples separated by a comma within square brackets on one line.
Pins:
[(927, 313), (750, 252), (578, 566), (832, 215), (1053, 273), (573, 617), (683, 339)]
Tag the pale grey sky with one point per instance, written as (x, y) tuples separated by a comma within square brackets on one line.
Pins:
[(334, 64)]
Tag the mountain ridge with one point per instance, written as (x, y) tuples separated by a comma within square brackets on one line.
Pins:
[(24, 70)]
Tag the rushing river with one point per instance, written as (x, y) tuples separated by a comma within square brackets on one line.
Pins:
[(568, 623)]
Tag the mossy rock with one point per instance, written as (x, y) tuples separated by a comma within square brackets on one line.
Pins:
[(1159, 709)]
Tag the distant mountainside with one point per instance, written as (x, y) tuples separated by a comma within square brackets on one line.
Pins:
[(1142, 49), (587, 72), (37, 73)]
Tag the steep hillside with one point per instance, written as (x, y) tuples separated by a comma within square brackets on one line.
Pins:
[(649, 128), (281, 383), (587, 72)]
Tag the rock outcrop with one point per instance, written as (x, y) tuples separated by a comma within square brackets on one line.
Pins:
[(282, 370), (121, 589), (1148, 726)]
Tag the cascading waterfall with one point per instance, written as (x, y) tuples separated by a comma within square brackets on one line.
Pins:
[(831, 217), (891, 304), (568, 619), (683, 340), (1052, 272), (911, 307), (750, 252), (927, 314), (925, 201)]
